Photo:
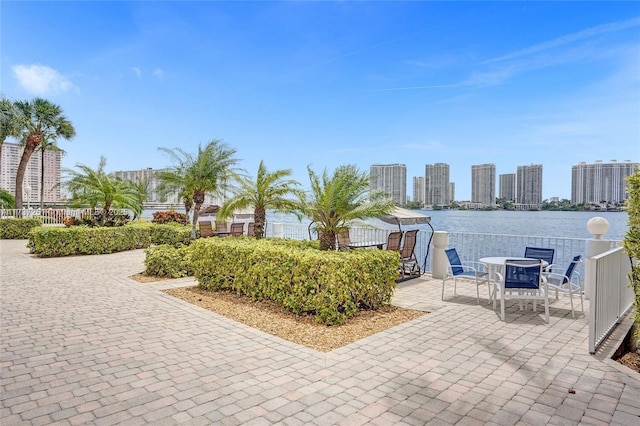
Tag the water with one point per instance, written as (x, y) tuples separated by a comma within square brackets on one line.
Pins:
[(537, 223)]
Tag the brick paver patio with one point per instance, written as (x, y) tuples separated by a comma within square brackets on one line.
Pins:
[(84, 344)]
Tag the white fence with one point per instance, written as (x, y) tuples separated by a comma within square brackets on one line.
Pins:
[(470, 246), (611, 295), (53, 216)]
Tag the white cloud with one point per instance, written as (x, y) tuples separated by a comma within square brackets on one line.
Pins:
[(138, 72), (41, 80), (158, 73)]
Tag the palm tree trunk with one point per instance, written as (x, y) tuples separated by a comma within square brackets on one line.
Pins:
[(22, 167), (198, 201), (260, 218), (327, 240)]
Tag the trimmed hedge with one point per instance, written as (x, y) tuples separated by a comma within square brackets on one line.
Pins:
[(168, 261), (80, 240), (329, 285), (17, 229)]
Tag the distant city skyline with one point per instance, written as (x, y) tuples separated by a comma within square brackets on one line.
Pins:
[(323, 84)]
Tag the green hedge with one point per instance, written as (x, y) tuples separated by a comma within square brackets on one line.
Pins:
[(17, 229), (79, 240), (329, 285), (168, 261)]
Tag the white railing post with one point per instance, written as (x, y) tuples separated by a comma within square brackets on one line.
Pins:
[(597, 226), (278, 230), (439, 260)]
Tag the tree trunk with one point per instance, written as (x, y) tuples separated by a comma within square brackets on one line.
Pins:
[(260, 218), (22, 167), (198, 200), (327, 240)]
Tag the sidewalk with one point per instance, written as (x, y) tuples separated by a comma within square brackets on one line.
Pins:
[(81, 343)]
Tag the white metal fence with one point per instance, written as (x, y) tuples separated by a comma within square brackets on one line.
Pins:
[(53, 216), (611, 294)]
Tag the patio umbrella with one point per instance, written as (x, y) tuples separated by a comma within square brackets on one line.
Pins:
[(402, 216)]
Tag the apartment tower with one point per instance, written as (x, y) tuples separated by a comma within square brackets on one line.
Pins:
[(483, 184), (529, 185), (418, 189), (508, 187), (392, 179), (599, 181), (36, 170), (436, 184)]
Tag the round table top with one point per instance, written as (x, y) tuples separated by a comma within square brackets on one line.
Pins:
[(501, 260)]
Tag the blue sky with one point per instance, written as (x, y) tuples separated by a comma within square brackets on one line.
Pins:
[(331, 83)]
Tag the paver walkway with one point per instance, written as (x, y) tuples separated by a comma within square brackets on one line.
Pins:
[(84, 344)]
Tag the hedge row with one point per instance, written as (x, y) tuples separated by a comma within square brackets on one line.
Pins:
[(329, 285), (17, 229), (79, 240)]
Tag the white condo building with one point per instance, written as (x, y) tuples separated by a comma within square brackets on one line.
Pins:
[(483, 184), (418, 189), (392, 179), (50, 170), (601, 182), (508, 187), (529, 185), (436, 183)]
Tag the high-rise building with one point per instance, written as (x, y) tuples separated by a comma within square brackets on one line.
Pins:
[(452, 191), (36, 170), (418, 189), (148, 177), (436, 184), (508, 187), (392, 179), (529, 185), (599, 181), (483, 184)]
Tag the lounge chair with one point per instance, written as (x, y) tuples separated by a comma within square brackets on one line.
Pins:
[(237, 229), (564, 284), (206, 230), (410, 266), (467, 269), (522, 280), (221, 230)]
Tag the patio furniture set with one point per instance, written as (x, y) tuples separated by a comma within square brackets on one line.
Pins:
[(221, 229), (527, 278)]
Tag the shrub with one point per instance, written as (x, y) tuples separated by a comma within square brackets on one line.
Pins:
[(78, 240), (169, 217), (171, 233), (632, 241), (168, 261), (17, 229), (329, 285)]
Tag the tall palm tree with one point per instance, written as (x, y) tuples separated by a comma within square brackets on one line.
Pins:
[(9, 124), (38, 119), (48, 144), (269, 190), (338, 199), (97, 188), (209, 171), (173, 180)]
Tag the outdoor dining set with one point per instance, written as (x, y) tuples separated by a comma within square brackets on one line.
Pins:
[(530, 277)]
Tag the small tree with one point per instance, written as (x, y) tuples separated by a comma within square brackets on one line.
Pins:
[(632, 240), (269, 190), (336, 200)]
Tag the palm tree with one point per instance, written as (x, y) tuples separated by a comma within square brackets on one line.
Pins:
[(9, 125), (6, 200), (38, 120), (336, 200), (207, 172), (173, 181), (268, 191), (96, 187), (48, 144)]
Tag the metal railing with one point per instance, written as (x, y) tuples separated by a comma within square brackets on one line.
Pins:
[(53, 216), (611, 296)]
